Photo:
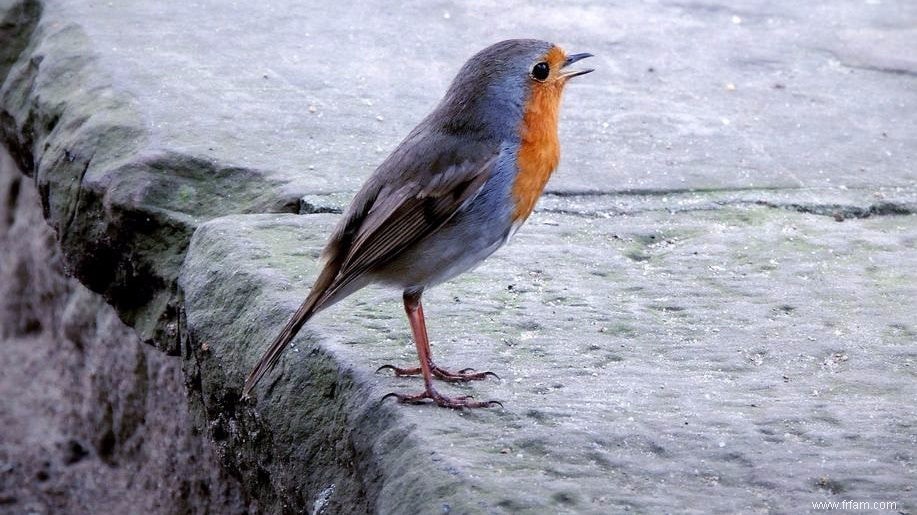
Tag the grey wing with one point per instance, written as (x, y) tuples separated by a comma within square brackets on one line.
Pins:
[(401, 216)]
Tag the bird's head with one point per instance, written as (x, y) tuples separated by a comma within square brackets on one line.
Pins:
[(488, 97)]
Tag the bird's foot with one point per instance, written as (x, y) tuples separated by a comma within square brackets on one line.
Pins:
[(463, 375), (464, 401)]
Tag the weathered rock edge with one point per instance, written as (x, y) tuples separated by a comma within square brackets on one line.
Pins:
[(123, 208), (93, 420)]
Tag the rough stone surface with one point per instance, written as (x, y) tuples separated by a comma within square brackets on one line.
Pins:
[(744, 131), (93, 421), (748, 358)]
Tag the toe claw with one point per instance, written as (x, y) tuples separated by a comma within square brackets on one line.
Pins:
[(400, 372), (489, 373), (495, 403), (392, 394), (466, 370)]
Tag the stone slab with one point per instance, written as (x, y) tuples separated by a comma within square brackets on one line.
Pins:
[(743, 359)]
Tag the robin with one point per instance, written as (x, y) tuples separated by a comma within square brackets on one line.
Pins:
[(453, 192)]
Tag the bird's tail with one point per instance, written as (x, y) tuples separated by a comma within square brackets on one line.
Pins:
[(270, 358), (316, 301)]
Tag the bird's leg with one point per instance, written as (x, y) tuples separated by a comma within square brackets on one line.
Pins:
[(414, 311), (463, 375)]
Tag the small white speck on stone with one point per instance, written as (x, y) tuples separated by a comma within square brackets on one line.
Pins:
[(380, 118), (446, 15), (321, 501), (722, 444), (736, 19)]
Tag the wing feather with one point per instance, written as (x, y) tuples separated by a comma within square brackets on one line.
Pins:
[(416, 215)]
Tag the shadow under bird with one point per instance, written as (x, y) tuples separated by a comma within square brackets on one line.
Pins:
[(453, 192)]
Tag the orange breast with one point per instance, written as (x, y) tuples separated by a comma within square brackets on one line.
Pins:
[(539, 151)]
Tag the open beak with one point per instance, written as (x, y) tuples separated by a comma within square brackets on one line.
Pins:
[(572, 59)]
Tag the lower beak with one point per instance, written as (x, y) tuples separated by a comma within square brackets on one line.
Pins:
[(572, 59)]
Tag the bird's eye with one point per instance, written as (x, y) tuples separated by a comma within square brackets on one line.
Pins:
[(540, 71)]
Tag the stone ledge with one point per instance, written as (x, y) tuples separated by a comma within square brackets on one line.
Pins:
[(649, 362)]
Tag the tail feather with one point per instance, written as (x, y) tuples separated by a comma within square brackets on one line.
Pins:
[(270, 358), (316, 300), (329, 287)]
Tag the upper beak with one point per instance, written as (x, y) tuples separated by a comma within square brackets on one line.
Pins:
[(572, 59)]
